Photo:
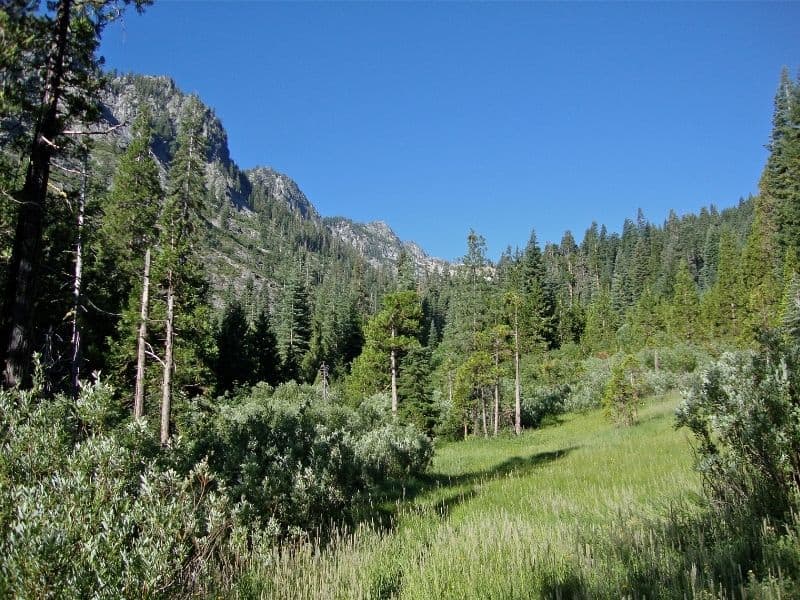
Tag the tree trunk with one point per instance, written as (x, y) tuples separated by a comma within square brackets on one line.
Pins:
[(138, 398), (393, 359), (25, 256), (655, 360), (496, 394), (517, 393), (168, 360), (75, 362), (483, 414)]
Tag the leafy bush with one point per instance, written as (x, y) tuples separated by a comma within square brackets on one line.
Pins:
[(621, 394), (92, 506), (745, 414), (393, 452), (543, 402), (86, 511), (297, 461), (588, 391)]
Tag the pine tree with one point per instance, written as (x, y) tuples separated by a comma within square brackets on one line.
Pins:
[(294, 333), (395, 331), (778, 204), (178, 267), (723, 306), (235, 363), (129, 233), (71, 79), (264, 348), (684, 309)]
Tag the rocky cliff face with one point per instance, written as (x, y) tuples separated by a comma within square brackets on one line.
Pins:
[(238, 197), (283, 189), (381, 246)]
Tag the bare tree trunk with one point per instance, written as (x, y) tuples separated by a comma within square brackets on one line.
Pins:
[(393, 359), (25, 256), (496, 394), (517, 392), (655, 360), (483, 414), (168, 360), (141, 342), (75, 362)]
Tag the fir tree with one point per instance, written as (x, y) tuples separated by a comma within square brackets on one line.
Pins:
[(180, 274)]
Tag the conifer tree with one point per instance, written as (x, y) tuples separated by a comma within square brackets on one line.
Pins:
[(294, 333), (395, 330), (723, 306), (684, 309), (178, 267), (235, 353), (70, 81), (264, 347), (129, 234)]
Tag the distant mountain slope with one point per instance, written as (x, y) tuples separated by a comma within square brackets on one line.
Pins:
[(261, 220), (380, 245)]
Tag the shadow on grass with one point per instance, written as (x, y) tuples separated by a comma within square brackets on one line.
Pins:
[(516, 465), (386, 502)]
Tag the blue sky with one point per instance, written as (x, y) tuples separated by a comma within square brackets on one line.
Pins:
[(502, 117)]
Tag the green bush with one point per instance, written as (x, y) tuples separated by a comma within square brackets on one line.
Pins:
[(92, 506), (393, 452), (745, 414), (621, 397), (543, 402), (588, 391), (86, 511)]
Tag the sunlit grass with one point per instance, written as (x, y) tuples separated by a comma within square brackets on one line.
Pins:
[(578, 509)]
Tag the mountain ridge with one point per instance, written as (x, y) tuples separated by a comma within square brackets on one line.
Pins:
[(231, 186)]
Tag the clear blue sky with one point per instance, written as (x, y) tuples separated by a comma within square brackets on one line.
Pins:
[(502, 117)]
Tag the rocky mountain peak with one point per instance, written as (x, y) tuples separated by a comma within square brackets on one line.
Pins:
[(282, 188)]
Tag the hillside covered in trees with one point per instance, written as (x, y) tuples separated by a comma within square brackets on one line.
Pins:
[(217, 367)]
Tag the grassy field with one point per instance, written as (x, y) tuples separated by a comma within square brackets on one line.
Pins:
[(578, 509)]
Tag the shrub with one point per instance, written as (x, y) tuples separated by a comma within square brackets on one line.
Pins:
[(621, 395), (83, 513), (745, 414), (588, 391), (393, 452), (543, 402)]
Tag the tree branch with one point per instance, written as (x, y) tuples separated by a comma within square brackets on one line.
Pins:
[(152, 354), (102, 132)]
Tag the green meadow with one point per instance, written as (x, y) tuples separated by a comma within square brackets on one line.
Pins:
[(577, 509)]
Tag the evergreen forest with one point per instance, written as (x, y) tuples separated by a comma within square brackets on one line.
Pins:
[(209, 389)]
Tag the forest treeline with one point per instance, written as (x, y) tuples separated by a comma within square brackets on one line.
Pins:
[(263, 402)]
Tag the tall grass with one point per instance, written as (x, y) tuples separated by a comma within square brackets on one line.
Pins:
[(581, 509)]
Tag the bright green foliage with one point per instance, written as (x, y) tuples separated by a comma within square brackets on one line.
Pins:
[(471, 392), (620, 397), (601, 322), (414, 390), (745, 418), (724, 304), (645, 321), (760, 264), (294, 325), (683, 312)]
